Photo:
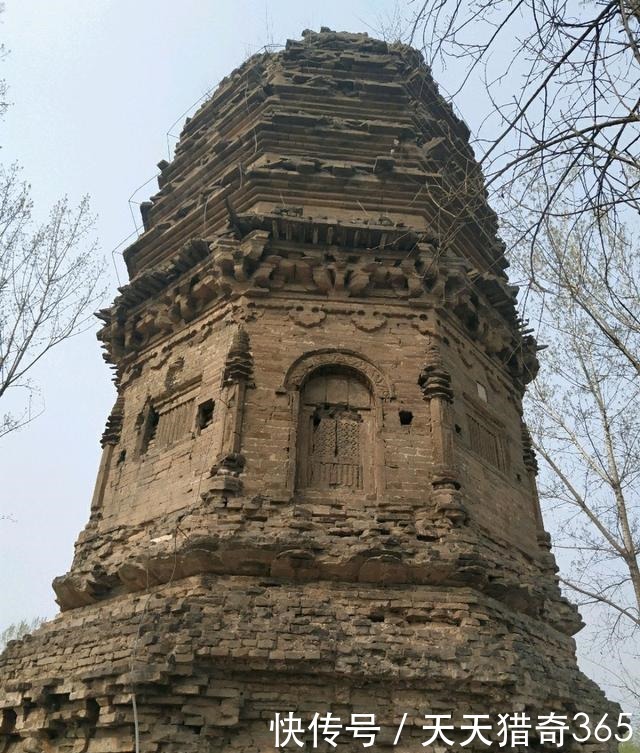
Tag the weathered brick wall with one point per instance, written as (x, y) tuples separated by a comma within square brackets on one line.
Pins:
[(212, 660), (316, 492), (169, 479), (144, 485)]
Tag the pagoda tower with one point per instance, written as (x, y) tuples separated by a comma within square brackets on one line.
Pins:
[(317, 493)]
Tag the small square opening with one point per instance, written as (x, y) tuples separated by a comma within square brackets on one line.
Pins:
[(150, 422), (205, 414), (406, 417)]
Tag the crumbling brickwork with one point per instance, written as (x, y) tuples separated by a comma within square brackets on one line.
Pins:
[(317, 491)]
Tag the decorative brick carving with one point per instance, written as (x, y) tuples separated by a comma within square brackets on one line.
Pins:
[(304, 366), (434, 379), (528, 453), (236, 378), (288, 514), (485, 439), (307, 317), (113, 429), (371, 323), (238, 366)]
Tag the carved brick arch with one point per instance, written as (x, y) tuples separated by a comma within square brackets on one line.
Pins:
[(301, 369), (336, 421)]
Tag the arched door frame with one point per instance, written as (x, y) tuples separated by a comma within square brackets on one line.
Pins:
[(380, 387)]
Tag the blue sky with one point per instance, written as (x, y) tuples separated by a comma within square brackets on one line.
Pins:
[(95, 88)]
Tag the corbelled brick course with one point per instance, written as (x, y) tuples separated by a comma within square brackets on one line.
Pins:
[(317, 492)]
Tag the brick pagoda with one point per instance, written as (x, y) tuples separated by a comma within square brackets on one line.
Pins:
[(317, 492)]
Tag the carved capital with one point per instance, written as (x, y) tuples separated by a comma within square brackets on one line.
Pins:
[(238, 366), (434, 378)]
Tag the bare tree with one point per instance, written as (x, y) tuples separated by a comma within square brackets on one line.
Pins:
[(3, 84), (562, 79), (584, 412), (559, 145), (48, 286), (49, 283), (18, 630)]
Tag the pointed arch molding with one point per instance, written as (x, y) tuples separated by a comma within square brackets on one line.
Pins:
[(302, 368)]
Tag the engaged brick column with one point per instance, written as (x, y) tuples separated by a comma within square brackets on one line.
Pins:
[(531, 464), (237, 377), (435, 382)]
